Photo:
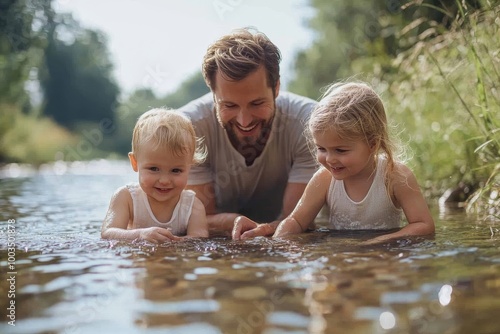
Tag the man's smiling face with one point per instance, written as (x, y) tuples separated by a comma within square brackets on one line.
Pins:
[(245, 108)]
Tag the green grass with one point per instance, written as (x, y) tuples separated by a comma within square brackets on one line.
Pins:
[(446, 95)]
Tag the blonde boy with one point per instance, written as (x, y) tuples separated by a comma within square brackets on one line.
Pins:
[(158, 208)]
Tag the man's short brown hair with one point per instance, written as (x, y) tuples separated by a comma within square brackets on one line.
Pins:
[(240, 53)]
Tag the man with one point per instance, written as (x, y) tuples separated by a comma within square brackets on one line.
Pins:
[(258, 161)]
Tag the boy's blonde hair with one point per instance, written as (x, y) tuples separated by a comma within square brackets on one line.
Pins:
[(355, 111), (162, 127)]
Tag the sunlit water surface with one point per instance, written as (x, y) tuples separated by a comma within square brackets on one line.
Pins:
[(65, 279)]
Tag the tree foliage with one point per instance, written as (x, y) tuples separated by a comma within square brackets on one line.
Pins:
[(357, 36), (77, 80), (142, 100), (22, 40), (193, 87), (72, 64)]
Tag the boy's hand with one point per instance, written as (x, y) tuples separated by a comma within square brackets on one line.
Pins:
[(158, 235)]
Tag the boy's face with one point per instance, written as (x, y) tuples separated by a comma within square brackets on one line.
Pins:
[(245, 108), (162, 174)]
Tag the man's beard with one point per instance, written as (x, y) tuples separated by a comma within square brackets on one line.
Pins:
[(250, 147), (238, 139)]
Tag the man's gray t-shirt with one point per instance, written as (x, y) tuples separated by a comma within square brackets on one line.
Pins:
[(255, 191)]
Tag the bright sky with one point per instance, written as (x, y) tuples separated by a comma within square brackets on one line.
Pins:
[(160, 43)]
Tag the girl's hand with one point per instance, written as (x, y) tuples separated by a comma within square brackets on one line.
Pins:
[(375, 241), (158, 235)]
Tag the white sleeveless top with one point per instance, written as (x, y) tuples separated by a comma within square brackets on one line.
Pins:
[(144, 217), (375, 212)]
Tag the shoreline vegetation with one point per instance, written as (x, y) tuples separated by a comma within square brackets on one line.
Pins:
[(450, 84), (443, 94)]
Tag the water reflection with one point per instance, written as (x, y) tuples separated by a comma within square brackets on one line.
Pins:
[(69, 280)]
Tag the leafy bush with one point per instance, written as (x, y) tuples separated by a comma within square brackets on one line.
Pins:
[(34, 140)]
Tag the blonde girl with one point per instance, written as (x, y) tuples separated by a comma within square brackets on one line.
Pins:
[(361, 181)]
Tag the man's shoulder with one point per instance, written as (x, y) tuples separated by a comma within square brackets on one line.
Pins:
[(294, 105), (198, 108), (286, 95)]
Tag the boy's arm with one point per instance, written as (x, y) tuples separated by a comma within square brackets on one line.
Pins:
[(197, 224), (118, 217)]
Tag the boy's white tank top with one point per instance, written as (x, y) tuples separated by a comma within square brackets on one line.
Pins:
[(375, 212), (144, 217)]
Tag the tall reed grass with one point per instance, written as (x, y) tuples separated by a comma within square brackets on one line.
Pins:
[(446, 95)]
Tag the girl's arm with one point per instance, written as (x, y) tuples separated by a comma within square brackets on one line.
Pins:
[(197, 224), (120, 214), (308, 207), (408, 195)]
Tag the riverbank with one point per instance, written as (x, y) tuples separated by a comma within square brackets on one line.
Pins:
[(92, 167)]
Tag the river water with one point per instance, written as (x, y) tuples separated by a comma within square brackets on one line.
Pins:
[(58, 276)]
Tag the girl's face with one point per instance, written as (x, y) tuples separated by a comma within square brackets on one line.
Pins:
[(345, 159), (162, 174)]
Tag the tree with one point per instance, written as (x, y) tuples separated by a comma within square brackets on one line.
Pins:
[(190, 89), (77, 82), (359, 36), (22, 40), (144, 99)]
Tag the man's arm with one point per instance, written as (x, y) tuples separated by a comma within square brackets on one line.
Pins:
[(293, 193), (224, 223), (245, 228), (218, 223)]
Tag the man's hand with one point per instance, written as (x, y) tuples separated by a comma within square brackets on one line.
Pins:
[(245, 228)]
